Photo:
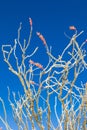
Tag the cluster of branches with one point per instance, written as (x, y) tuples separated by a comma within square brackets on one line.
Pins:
[(54, 79)]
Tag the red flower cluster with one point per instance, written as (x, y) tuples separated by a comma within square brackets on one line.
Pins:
[(42, 38), (30, 21), (72, 28), (36, 64)]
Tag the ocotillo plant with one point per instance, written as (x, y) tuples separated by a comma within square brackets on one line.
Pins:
[(58, 80)]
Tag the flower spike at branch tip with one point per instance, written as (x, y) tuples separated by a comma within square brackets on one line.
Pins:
[(36, 64), (32, 82), (72, 28), (41, 37), (31, 62), (39, 65), (30, 21)]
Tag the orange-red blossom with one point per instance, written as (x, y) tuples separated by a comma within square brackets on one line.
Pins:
[(31, 62), (39, 65), (30, 21), (72, 28), (32, 82), (36, 64), (42, 38)]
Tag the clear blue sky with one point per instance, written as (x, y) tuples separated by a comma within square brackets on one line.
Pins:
[(51, 17)]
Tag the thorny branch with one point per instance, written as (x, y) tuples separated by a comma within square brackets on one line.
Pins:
[(52, 79)]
